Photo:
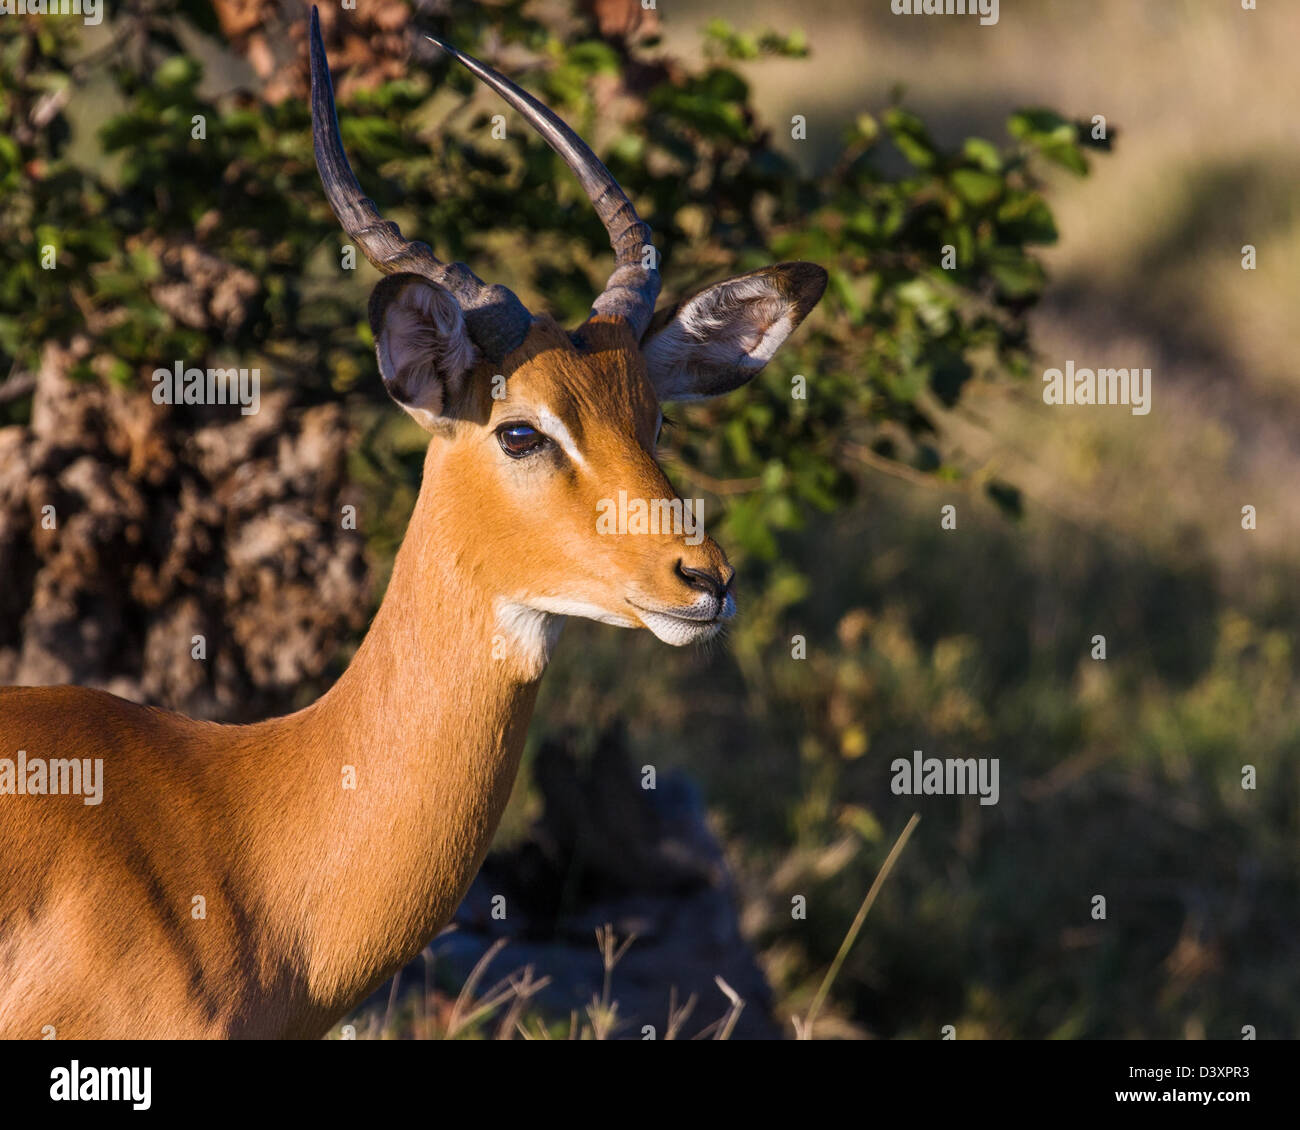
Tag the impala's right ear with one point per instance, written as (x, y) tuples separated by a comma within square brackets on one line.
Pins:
[(425, 353)]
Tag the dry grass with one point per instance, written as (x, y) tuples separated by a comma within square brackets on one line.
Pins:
[(501, 1012), (805, 1028)]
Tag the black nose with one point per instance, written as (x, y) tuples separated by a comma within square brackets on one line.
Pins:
[(701, 579)]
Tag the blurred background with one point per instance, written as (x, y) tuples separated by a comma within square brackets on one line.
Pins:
[(165, 156)]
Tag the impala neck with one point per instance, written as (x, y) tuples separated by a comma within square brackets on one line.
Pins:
[(431, 717)]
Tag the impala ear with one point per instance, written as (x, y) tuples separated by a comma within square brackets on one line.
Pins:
[(724, 335), (424, 350)]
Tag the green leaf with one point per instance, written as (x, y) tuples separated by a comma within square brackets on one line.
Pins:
[(1026, 218), (1067, 155), (1007, 498), (1041, 124), (865, 130), (1018, 276), (594, 57), (975, 187), (984, 153), (912, 138), (177, 72)]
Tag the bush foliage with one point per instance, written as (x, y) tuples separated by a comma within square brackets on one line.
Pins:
[(975, 932)]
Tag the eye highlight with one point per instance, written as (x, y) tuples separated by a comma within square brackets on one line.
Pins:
[(518, 440)]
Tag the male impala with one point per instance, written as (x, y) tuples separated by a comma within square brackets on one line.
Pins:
[(314, 893)]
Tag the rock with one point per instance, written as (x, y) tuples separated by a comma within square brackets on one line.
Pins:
[(171, 523), (606, 851)]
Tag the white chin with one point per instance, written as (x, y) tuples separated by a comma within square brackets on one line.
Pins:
[(680, 632)]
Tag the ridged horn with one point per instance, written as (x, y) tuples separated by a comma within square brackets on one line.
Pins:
[(496, 320), (632, 288)]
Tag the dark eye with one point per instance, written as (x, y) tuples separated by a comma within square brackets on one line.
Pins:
[(518, 440)]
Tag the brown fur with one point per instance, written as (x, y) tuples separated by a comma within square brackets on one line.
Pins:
[(315, 894)]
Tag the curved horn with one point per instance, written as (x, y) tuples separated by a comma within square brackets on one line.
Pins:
[(496, 320), (632, 288)]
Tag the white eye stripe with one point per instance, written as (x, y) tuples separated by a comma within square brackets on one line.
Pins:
[(550, 424)]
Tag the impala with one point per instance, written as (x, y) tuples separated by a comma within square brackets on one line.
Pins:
[(258, 881)]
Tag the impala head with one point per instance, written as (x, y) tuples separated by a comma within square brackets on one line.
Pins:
[(545, 439)]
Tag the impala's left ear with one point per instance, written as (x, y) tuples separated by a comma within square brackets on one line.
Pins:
[(723, 336)]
